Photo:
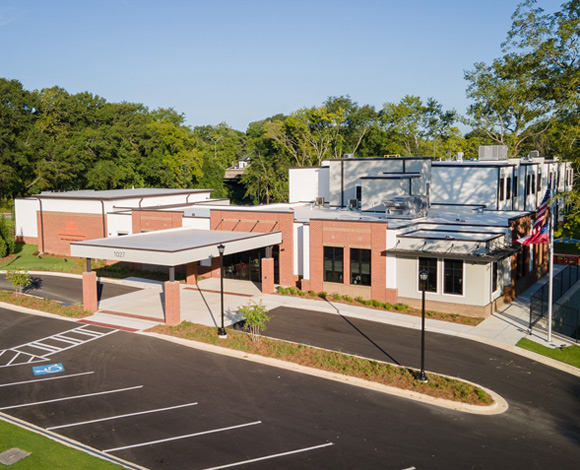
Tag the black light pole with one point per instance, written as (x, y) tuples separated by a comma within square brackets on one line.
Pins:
[(423, 276), (221, 330)]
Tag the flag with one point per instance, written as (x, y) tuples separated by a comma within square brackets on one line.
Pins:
[(540, 230)]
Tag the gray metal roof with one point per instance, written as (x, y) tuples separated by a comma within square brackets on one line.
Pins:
[(113, 194), (172, 247)]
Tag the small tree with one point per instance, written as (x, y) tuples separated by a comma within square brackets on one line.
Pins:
[(18, 279), (256, 317)]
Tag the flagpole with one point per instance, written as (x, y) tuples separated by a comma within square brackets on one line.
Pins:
[(551, 273)]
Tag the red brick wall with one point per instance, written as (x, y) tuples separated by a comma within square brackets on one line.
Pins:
[(151, 220), (90, 291), (262, 222), (268, 275), (62, 228), (191, 273), (172, 303), (350, 234), (520, 228)]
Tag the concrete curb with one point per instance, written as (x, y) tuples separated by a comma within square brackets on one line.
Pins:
[(70, 443), (500, 405)]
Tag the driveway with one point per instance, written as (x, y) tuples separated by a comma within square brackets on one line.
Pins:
[(166, 406)]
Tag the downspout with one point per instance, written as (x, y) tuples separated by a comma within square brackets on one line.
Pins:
[(497, 193), (41, 223), (103, 218)]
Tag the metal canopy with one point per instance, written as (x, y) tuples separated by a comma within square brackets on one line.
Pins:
[(172, 247), (495, 255)]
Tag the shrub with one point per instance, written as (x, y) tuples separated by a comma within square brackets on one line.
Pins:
[(293, 290), (348, 298), (6, 238), (401, 307), (312, 293), (282, 290), (368, 303), (387, 306), (360, 299), (322, 295), (301, 293), (376, 303), (256, 315), (335, 296)]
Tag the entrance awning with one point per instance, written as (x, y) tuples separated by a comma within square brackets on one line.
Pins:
[(172, 247)]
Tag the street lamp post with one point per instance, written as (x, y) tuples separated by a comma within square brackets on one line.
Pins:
[(423, 276), (221, 330)]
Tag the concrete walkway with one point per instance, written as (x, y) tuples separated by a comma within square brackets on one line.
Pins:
[(201, 304)]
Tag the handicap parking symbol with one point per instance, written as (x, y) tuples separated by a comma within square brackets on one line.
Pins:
[(48, 369)]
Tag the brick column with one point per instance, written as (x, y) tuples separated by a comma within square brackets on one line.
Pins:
[(90, 300), (191, 273), (267, 275), (172, 303)]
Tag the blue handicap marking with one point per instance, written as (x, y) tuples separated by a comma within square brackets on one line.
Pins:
[(48, 369)]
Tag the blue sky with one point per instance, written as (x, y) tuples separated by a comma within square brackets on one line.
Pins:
[(245, 60)]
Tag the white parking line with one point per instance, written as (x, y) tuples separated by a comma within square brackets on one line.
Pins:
[(71, 397), (211, 431), (273, 456), (45, 379), (118, 417)]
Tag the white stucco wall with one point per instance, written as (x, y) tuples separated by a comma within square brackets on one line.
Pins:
[(476, 283), (306, 184), (25, 215)]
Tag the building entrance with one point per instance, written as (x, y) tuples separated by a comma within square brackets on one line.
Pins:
[(247, 266)]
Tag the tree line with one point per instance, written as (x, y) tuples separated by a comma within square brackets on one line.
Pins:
[(527, 99)]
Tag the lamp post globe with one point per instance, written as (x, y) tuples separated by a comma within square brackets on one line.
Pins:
[(221, 330), (423, 278)]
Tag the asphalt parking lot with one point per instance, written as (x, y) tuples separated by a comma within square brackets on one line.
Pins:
[(165, 406)]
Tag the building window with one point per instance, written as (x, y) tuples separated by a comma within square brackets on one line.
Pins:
[(528, 185), (333, 264), (539, 183), (429, 265), (501, 190), (358, 194), (360, 267), (533, 183), (515, 191), (453, 277), (494, 285), (508, 188)]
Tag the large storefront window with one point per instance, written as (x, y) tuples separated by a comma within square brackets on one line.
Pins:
[(333, 264), (247, 266), (360, 267), (453, 277), (429, 265)]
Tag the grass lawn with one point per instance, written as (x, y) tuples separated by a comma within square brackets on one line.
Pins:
[(46, 453), (25, 259), (569, 355)]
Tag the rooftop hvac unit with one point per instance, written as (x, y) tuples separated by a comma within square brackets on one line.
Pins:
[(319, 201), (406, 207), (533, 154), (353, 204), (349, 155), (493, 152)]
